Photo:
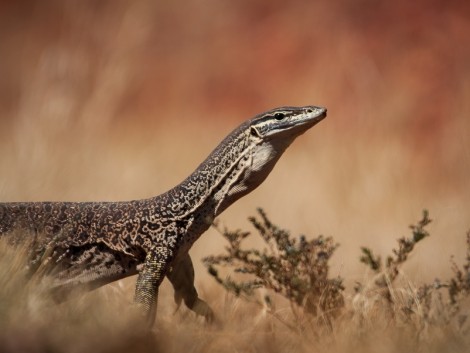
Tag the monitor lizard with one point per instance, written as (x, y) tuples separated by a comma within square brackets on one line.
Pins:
[(94, 243)]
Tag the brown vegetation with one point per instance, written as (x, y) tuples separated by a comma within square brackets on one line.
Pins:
[(288, 302)]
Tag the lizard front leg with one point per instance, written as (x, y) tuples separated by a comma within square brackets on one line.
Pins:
[(181, 277), (150, 277)]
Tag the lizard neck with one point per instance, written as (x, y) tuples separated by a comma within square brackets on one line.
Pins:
[(235, 168), (239, 164), (206, 192)]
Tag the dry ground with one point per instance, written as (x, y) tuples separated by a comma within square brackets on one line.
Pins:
[(115, 100)]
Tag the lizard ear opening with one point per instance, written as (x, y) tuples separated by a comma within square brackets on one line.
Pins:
[(254, 132)]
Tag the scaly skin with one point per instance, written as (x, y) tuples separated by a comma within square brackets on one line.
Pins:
[(94, 243)]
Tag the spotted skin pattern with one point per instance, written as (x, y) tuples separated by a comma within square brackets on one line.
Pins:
[(94, 243)]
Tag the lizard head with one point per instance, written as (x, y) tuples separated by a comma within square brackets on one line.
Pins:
[(285, 123), (272, 132), (266, 137)]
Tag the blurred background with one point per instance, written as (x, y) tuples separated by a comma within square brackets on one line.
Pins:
[(118, 100)]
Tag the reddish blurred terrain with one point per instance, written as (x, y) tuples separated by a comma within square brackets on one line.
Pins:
[(112, 100)]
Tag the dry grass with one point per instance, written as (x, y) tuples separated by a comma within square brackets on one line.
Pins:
[(386, 313), (119, 100)]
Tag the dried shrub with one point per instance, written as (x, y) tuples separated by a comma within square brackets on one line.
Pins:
[(295, 268), (388, 272), (437, 304)]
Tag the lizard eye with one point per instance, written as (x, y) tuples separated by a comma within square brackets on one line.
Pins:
[(279, 116)]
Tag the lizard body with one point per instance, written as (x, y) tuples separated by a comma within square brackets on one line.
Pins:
[(95, 243)]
